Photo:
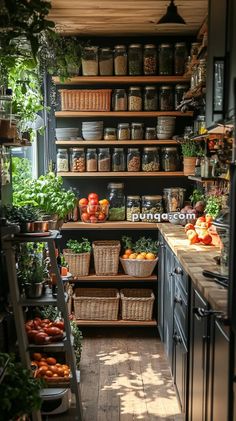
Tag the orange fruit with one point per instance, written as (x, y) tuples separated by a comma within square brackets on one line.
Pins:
[(140, 257), (37, 356), (128, 252), (133, 256), (125, 256), (150, 256), (51, 361), (49, 373)]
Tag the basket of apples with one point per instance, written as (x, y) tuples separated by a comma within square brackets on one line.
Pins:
[(93, 210), (200, 232), (140, 258)]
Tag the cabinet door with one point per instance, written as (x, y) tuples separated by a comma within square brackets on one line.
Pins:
[(161, 280), (168, 304), (180, 362)]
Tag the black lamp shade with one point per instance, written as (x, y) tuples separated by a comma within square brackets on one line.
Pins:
[(172, 15)]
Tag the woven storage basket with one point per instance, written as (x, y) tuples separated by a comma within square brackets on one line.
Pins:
[(138, 268), (96, 303), (137, 304), (78, 262), (106, 257), (85, 99)]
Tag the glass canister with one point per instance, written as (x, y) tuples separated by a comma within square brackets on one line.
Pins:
[(150, 133), (116, 199), (91, 160), (170, 158), (106, 62), (180, 56), (201, 71), (123, 131), (110, 133), (194, 49), (152, 208), (136, 131), (150, 98), (173, 199), (133, 208), (120, 60), (135, 98), (179, 93), (77, 160), (118, 160), (90, 61), (135, 59), (119, 100), (166, 98), (62, 160), (133, 160), (165, 59), (150, 60), (150, 159), (104, 159)]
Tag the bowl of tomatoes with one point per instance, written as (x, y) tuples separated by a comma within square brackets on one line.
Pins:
[(93, 210)]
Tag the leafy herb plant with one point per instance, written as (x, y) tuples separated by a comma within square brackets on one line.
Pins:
[(213, 205), (78, 247), (143, 244), (190, 148), (197, 196)]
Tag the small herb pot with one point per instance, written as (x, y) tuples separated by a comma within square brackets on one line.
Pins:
[(34, 290), (40, 226), (189, 165), (26, 227)]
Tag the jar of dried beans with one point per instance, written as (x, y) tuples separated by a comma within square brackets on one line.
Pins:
[(133, 160), (135, 58), (150, 60), (120, 60), (104, 160), (91, 160), (77, 160), (119, 100), (135, 99)]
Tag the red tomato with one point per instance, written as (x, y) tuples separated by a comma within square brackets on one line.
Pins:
[(92, 209), (85, 217), (93, 219), (93, 196), (31, 335), (53, 331), (83, 201), (93, 202), (41, 338), (101, 216), (59, 324)]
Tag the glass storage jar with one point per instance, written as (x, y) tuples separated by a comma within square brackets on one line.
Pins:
[(77, 160), (150, 159), (152, 208), (106, 62), (150, 133), (104, 159), (118, 160), (133, 160), (150, 60), (136, 131), (135, 98), (62, 160), (201, 71), (135, 59), (166, 98), (194, 49), (116, 199), (173, 199), (180, 58), (91, 160), (119, 100), (110, 133), (120, 60), (170, 158), (132, 208), (179, 93), (165, 59), (123, 132), (150, 98), (90, 61)]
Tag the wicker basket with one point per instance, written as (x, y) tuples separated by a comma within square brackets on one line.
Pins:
[(85, 99), (96, 303), (78, 262), (138, 268), (106, 257), (137, 304)]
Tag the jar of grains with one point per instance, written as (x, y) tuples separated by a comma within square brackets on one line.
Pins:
[(150, 60), (150, 133), (170, 158), (150, 159), (106, 62), (104, 159), (166, 98), (77, 160), (133, 160), (150, 98), (132, 208), (91, 160), (118, 160), (110, 133), (135, 59), (123, 131), (201, 71), (135, 99), (180, 58), (136, 131), (62, 160), (90, 61), (165, 59), (116, 199), (119, 100), (152, 208), (179, 93), (120, 60)]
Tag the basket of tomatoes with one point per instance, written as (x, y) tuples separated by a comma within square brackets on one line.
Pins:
[(140, 258), (44, 331), (49, 369), (93, 210)]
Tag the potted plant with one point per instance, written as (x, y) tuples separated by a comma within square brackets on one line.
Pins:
[(190, 151), (23, 216), (77, 255)]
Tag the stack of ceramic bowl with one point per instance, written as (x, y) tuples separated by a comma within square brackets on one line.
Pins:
[(165, 127), (67, 133), (92, 130)]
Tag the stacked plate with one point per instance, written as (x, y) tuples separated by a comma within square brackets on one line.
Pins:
[(92, 130), (165, 127), (67, 133)]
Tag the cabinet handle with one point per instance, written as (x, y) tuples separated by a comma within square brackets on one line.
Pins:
[(201, 312), (178, 300), (178, 271), (177, 339)]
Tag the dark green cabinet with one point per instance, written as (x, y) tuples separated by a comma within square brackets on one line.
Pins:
[(161, 280), (168, 304)]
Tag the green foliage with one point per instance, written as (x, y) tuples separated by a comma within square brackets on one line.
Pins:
[(127, 242), (26, 213), (143, 244), (21, 170), (50, 312), (213, 205), (197, 196), (32, 267), (77, 341), (190, 148), (83, 246)]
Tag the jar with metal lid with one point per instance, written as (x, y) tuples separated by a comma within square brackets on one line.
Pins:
[(135, 59), (150, 60), (118, 160), (119, 100), (62, 160), (116, 199), (77, 160), (166, 98), (132, 208), (136, 131), (152, 208), (120, 60), (173, 199), (110, 133), (91, 160), (180, 58), (150, 98), (135, 98), (106, 62), (150, 133), (133, 160), (150, 159), (179, 93), (194, 49), (201, 71), (123, 132), (170, 158), (90, 61), (104, 159), (165, 59)]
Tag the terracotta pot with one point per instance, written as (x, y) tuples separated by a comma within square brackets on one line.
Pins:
[(189, 165)]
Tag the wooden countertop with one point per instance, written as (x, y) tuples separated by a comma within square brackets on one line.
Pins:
[(194, 258)]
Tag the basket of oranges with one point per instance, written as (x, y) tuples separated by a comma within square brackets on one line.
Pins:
[(139, 259)]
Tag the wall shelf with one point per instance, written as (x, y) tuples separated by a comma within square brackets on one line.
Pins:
[(109, 225), (127, 174), (114, 278), (124, 114), (115, 142), (79, 80), (116, 322), (207, 180)]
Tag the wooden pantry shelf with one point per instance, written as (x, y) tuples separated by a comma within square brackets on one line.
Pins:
[(117, 174), (108, 225), (78, 80), (113, 278), (116, 322), (68, 114), (115, 142)]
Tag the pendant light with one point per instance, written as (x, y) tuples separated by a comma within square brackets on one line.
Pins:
[(172, 15)]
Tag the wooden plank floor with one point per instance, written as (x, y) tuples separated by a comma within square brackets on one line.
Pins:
[(125, 376)]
